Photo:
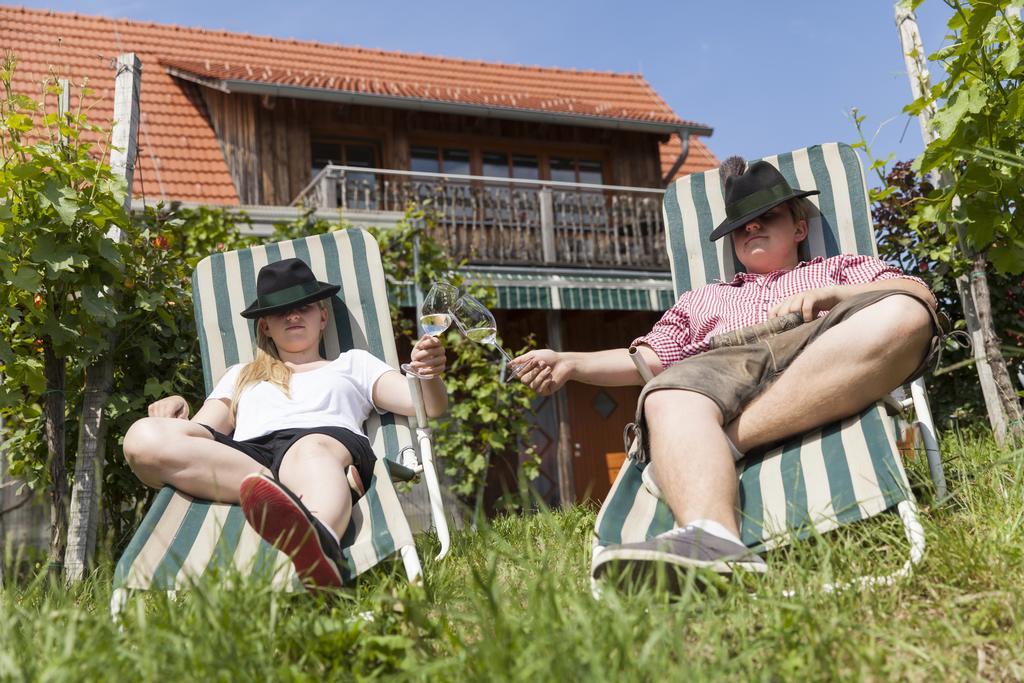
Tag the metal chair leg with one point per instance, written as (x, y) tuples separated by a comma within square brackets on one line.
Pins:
[(427, 463), (931, 444), (118, 601), (413, 568)]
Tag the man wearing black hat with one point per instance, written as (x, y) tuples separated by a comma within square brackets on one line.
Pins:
[(784, 347)]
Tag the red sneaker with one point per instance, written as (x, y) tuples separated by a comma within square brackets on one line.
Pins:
[(283, 521)]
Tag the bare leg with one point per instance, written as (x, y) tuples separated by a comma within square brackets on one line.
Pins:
[(843, 371), (314, 469), (692, 461), (163, 450)]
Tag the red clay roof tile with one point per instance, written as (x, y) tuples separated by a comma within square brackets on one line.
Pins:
[(180, 156)]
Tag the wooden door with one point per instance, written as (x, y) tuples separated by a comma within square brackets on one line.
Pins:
[(597, 416)]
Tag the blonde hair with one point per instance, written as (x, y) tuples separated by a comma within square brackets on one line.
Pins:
[(266, 366)]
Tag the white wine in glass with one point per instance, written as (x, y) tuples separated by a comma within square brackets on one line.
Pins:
[(477, 323), (436, 316), (482, 335), (435, 323)]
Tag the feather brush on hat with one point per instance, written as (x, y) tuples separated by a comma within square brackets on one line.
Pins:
[(734, 165)]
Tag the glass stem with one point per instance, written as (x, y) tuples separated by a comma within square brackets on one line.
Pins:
[(508, 358)]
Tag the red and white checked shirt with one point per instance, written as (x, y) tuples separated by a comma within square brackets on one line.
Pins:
[(720, 307)]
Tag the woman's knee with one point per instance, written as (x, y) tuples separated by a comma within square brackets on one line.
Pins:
[(316, 447), (140, 442), (150, 440)]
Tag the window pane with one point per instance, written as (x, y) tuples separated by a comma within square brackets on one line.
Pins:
[(324, 153), (525, 167), (456, 161), (424, 159), (495, 164), (563, 170), (590, 172), (360, 155)]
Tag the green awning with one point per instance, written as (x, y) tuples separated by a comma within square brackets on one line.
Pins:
[(570, 291)]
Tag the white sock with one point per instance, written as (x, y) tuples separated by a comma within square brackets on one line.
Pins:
[(715, 529)]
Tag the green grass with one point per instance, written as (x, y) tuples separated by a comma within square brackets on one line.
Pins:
[(513, 602)]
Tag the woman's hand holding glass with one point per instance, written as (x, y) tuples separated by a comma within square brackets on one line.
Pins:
[(428, 358)]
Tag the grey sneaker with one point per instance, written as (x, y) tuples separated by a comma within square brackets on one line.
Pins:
[(686, 548)]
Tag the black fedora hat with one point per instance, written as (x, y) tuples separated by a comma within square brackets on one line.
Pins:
[(285, 284), (750, 194)]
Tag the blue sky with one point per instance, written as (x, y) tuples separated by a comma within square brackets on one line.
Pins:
[(767, 76)]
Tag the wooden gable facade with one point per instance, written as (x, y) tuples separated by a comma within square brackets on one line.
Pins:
[(269, 142)]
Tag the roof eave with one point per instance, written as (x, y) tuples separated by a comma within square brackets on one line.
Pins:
[(302, 92)]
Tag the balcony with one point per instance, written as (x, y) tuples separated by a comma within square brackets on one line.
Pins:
[(511, 221)]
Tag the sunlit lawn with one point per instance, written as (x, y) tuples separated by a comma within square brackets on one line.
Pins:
[(513, 601)]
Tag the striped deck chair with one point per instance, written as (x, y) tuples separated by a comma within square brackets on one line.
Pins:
[(181, 537), (841, 473)]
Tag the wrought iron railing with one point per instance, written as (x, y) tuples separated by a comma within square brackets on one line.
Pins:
[(508, 220)]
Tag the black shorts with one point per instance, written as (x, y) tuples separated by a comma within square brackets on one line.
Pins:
[(269, 450)]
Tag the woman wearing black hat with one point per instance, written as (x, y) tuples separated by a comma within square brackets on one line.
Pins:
[(287, 425)]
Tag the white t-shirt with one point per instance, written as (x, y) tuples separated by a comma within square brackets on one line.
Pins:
[(338, 394)]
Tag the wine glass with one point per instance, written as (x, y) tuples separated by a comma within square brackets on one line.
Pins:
[(477, 323), (435, 316)]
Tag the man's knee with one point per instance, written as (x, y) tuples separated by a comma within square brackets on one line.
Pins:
[(673, 406), (896, 320)]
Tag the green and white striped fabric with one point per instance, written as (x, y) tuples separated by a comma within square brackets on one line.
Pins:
[(523, 289), (842, 473), (694, 205), (817, 482), (576, 292), (181, 538)]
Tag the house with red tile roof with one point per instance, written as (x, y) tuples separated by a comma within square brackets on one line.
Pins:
[(221, 111), (547, 180)]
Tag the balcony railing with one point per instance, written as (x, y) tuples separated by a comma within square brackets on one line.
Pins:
[(509, 220)]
